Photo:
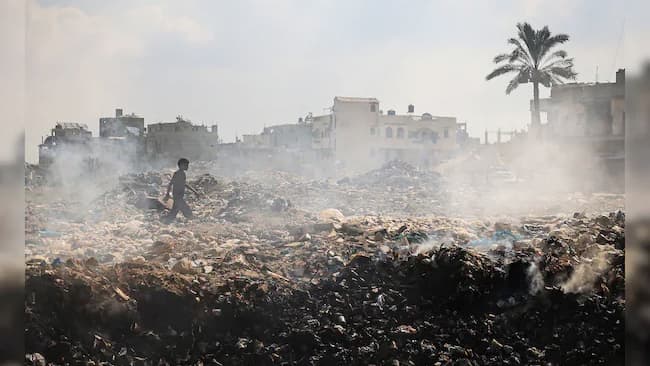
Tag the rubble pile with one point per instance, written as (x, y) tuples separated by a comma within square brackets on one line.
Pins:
[(272, 272), (394, 173), (356, 293), (451, 305)]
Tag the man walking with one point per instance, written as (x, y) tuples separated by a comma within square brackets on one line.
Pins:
[(177, 187)]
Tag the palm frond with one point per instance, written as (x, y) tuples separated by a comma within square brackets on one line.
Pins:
[(541, 37), (551, 42), (563, 62), (517, 55), (554, 57), (502, 70), (562, 72), (501, 57), (523, 52), (528, 35), (514, 83), (558, 54)]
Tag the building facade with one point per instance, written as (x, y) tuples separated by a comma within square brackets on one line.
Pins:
[(63, 134), (588, 120), (365, 137), (121, 125), (173, 140), (357, 135), (586, 109)]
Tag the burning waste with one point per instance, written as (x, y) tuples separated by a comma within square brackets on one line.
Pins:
[(277, 269)]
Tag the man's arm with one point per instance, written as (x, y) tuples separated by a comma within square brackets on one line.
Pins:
[(171, 183), (192, 189)]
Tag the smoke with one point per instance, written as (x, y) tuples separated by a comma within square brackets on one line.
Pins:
[(426, 247), (585, 275), (526, 176), (82, 172), (535, 278)]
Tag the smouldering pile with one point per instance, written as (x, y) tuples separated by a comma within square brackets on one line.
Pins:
[(261, 277)]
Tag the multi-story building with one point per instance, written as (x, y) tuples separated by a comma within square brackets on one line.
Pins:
[(322, 131), (285, 136), (122, 125), (586, 109), (63, 134), (363, 136), (169, 141), (357, 135), (123, 135), (588, 119), (419, 139)]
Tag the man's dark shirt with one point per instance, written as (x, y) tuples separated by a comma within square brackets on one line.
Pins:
[(178, 184)]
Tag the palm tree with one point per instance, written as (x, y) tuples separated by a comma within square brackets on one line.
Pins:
[(531, 61)]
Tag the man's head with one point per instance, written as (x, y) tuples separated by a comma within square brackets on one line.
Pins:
[(183, 163)]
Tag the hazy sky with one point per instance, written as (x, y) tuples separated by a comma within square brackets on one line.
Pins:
[(246, 64)]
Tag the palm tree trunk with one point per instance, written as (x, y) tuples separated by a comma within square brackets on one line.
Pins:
[(536, 127), (536, 116)]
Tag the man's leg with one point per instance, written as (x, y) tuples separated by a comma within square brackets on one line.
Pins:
[(171, 216), (185, 209)]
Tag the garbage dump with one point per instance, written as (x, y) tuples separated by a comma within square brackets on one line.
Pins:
[(286, 270)]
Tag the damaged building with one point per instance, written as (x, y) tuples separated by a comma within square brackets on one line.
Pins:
[(586, 109), (589, 119), (168, 141), (63, 134), (284, 136), (123, 134), (124, 138), (121, 125)]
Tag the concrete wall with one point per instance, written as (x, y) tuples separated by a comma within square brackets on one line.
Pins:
[(353, 120), (365, 138), (587, 110), (256, 141), (359, 137), (322, 134), (290, 136), (116, 126), (618, 116), (410, 132), (170, 141)]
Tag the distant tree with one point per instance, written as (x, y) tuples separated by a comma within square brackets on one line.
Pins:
[(531, 61)]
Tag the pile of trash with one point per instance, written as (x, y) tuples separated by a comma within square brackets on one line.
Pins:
[(342, 291), (280, 269), (395, 173)]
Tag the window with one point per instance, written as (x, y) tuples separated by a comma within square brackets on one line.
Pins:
[(372, 131), (389, 132), (446, 133), (400, 133), (373, 107)]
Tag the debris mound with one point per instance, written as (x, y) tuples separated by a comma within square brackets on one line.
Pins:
[(395, 173), (280, 270), (449, 304)]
